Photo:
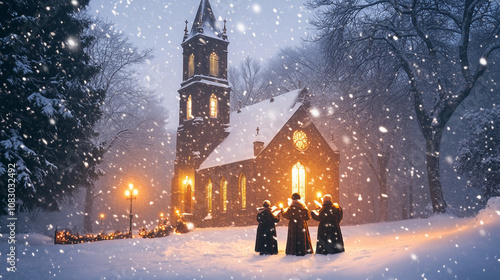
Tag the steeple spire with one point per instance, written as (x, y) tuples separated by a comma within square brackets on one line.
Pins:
[(205, 23), (186, 30)]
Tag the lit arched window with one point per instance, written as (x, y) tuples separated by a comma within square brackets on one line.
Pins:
[(243, 190), (213, 106), (214, 65), (189, 108), (223, 191), (209, 196), (299, 180), (188, 199), (191, 65)]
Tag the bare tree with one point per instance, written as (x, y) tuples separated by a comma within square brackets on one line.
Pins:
[(438, 50), (248, 83), (132, 115)]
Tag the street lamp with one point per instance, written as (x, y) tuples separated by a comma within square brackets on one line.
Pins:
[(102, 225), (131, 194)]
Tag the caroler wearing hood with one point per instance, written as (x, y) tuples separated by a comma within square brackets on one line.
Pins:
[(266, 242), (298, 241), (330, 239)]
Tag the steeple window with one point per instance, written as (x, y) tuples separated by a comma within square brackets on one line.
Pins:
[(189, 108), (213, 106), (214, 65), (191, 65)]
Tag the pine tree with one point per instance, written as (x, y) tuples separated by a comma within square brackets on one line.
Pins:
[(47, 108)]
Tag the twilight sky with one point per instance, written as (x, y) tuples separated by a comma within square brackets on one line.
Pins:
[(256, 28)]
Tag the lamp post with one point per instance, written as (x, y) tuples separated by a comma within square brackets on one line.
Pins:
[(102, 225), (131, 194)]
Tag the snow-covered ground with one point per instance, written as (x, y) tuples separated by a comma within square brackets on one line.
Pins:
[(441, 247)]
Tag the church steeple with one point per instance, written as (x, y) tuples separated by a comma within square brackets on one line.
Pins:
[(203, 101), (205, 22)]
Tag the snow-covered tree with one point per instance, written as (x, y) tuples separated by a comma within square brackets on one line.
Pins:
[(438, 50), (479, 155), (47, 108)]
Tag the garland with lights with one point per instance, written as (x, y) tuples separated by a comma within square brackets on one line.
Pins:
[(165, 230), (67, 237)]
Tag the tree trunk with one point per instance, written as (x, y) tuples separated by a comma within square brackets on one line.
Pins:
[(384, 195), (89, 204), (433, 143)]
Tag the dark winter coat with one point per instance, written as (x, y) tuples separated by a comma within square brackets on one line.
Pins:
[(266, 241), (330, 239), (298, 241)]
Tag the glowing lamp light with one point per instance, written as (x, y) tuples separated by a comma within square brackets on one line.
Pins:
[(319, 195), (102, 216), (281, 205), (131, 194)]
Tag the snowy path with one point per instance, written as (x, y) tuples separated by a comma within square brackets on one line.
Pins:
[(440, 247)]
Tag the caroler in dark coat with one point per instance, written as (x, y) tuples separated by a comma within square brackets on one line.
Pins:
[(266, 242), (298, 241), (330, 239)]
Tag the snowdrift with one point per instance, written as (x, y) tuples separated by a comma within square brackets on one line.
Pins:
[(440, 247)]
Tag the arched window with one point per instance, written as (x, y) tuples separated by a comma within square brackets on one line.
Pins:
[(299, 180), (243, 190), (188, 199), (214, 65), (213, 106), (189, 108), (209, 196), (223, 192), (191, 65)]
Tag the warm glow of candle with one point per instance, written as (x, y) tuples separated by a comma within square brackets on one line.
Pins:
[(281, 205), (319, 195)]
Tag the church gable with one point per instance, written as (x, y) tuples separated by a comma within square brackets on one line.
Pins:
[(294, 158)]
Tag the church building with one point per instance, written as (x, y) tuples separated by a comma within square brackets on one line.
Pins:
[(228, 163)]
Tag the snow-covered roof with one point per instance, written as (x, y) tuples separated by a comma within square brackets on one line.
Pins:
[(202, 79), (269, 116), (205, 23)]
